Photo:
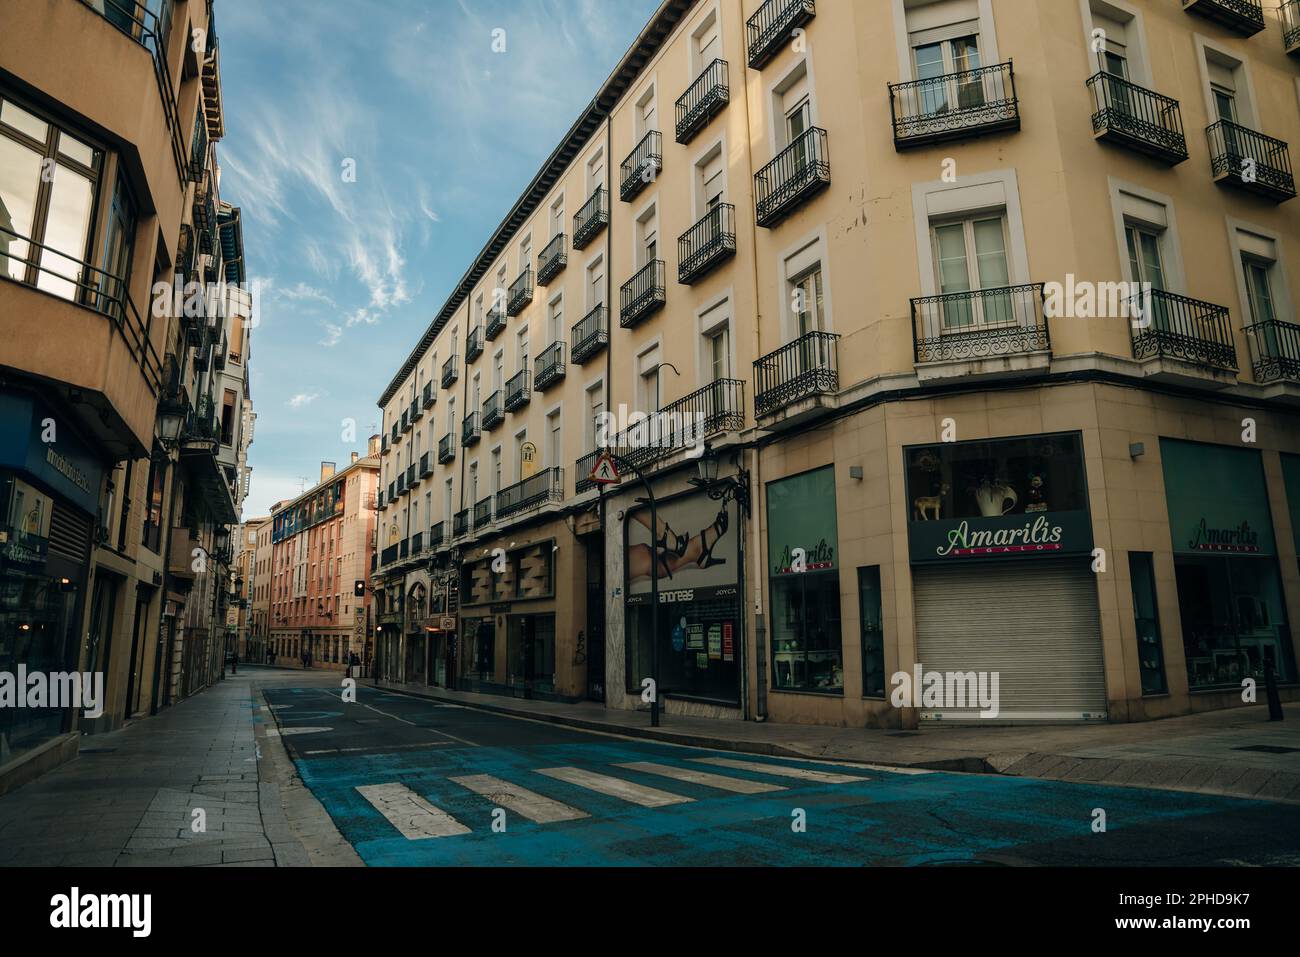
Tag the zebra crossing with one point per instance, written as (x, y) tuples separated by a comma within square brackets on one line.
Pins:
[(416, 818)]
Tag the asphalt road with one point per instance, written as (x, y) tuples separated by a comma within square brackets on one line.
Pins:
[(410, 782)]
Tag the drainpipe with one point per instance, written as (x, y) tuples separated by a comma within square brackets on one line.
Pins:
[(162, 603), (609, 398), (756, 547)]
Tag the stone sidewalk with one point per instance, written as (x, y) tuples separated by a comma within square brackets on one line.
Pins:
[(129, 798), (1237, 752)]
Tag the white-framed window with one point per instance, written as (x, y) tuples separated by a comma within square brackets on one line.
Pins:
[(1225, 79), (970, 253), (521, 349), (648, 397), (557, 216), (525, 253), (554, 444), (706, 44), (1147, 237), (793, 106), (496, 470), (498, 370), (595, 171), (716, 360), (521, 439), (710, 181), (595, 403), (647, 115), (647, 237), (596, 283), (476, 392), (555, 318)]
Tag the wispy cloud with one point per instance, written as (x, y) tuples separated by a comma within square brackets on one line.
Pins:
[(303, 399)]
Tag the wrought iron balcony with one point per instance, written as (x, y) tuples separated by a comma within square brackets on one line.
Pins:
[(460, 523), (1251, 161), (1137, 118), (394, 432), (703, 100), (379, 500), (198, 149), (496, 323), (426, 466), (449, 372), (552, 259), (549, 368), (707, 244), (388, 555), (1275, 350), (401, 483), (642, 295), (417, 411), (773, 25), (205, 214), (806, 367), (428, 396), (582, 472), (493, 412), (536, 490), (437, 534), (642, 165), (392, 492), (1175, 327), (980, 324), (404, 548), (1245, 17), (406, 420), (446, 448), (483, 513), (469, 430), (1289, 14), (410, 475), (590, 335), (474, 344), (384, 446), (591, 219), (954, 106), (518, 389), (798, 173), (521, 292)]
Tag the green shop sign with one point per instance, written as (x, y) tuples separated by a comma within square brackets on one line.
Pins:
[(1218, 499), (801, 515), (1008, 536)]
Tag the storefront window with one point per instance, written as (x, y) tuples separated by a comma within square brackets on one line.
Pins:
[(697, 550), (873, 632), (1146, 614), (530, 647), (1225, 562), (803, 552)]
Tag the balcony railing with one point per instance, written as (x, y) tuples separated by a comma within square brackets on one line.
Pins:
[(198, 149), (417, 411), (707, 244), (469, 429), (1275, 350), (449, 372), (549, 368), (1175, 327), (394, 432), (406, 420), (401, 483), (474, 344), (483, 513), (384, 446), (1140, 119), (980, 324), (153, 32), (437, 534), (703, 100), (582, 472), (417, 544), (379, 500), (388, 556), (806, 367), (591, 219), (410, 476), (1251, 161), (954, 106), (404, 548), (205, 214), (1289, 14), (496, 323), (427, 398), (642, 165), (392, 491), (683, 424), (518, 389), (1245, 17), (772, 26), (521, 292), (799, 171), (546, 486), (552, 259), (590, 335), (66, 277), (446, 448), (642, 294), (426, 466), (493, 412), (460, 523)]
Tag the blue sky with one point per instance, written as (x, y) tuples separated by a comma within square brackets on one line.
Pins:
[(444, 134)]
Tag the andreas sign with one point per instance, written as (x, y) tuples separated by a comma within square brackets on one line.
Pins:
[(1047, 533)]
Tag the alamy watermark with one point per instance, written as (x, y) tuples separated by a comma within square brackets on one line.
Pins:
[(939, 690), (56, 689), (653, 430), (1084, 299)]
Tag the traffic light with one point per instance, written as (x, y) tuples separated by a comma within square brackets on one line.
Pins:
[(359, 589)]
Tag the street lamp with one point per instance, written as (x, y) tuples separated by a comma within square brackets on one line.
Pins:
[(171, 419), (726, 489)]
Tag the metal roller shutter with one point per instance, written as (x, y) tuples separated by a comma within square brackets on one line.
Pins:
[(1035, 623)]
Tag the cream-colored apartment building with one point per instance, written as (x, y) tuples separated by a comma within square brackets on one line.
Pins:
[(977, 354)]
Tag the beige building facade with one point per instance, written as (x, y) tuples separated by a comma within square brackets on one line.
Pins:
[(977, 356)]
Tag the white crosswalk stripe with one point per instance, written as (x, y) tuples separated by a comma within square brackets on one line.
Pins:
[(780, 770), (411, 814), (691, 776), (615, 787), (525, 803)]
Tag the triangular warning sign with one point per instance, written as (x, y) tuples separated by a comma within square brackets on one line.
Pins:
[(604, 472)]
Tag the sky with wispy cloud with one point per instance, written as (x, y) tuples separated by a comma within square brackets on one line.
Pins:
[(442, 134)]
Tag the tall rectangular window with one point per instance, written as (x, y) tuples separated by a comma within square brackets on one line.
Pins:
[(872, 632), (1146, 615)]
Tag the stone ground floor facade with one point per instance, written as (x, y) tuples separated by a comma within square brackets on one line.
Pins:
[(1110, 551)]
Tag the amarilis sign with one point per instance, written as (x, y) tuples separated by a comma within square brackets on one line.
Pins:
[(59, 689), (655, 430), (1083, 299), (946, 690)]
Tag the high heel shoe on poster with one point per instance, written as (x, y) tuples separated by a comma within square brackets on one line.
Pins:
[(719, 528)]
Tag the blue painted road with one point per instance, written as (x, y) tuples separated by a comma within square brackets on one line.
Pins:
[(877, 817)]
